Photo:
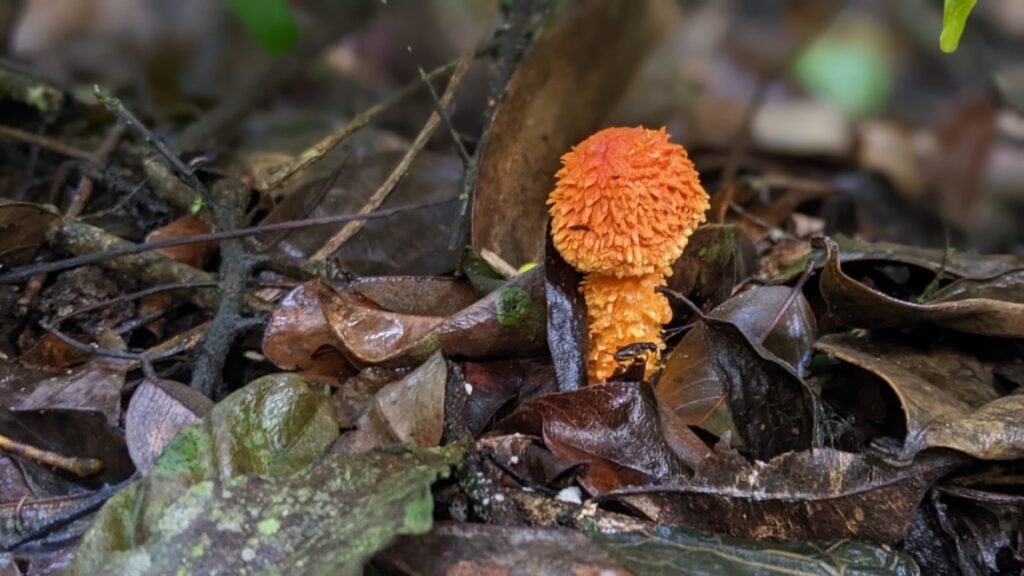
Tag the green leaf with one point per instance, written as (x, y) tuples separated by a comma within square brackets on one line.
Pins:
[(954, 17), (270, 22), (273, 428)]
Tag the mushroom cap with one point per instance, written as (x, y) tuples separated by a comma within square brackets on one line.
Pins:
[(625, 203), (621, 312)]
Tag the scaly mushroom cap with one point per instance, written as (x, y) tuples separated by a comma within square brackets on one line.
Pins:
[(625, 203), (621, 312)]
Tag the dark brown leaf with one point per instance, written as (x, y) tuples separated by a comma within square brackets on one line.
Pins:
[(298, 337), (490, 386), (821, 494), (717, 258), (567, 320), (507, 322), (772, 407), (560, 95), (94, 386), (23, 227), (946, 402), (689, 383), (414, 242), (615, 427), (860, 306)]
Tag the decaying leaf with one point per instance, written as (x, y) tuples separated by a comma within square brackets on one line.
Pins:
[(23, 228), (954, 263), (480, 549), (820, 494), (327, 519), (506, 322), (858, 305), (690, 384), (717, 258), (615, 427), (944, 402), (413, 242), (554, 100), (272, 428), (157, 412)]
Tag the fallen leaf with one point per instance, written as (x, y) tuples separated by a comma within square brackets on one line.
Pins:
[(159, 409), (507, 322), (271, 429), (499, 384), (615, 427), (413, 407), (567, 320), (945, 404), (855, 304), (820, 494), (94, 386), (717, 259), (329, 518), (554, 100), (412, 242), (481, 549), (23, 228), (689, 383), (298, 337)]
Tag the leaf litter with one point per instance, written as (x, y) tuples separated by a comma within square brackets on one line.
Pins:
[(841, 388)]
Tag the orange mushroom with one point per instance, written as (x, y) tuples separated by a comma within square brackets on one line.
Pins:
[(624, 206)]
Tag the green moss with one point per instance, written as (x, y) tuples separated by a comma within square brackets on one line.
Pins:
[(514, 306), (184, 455)]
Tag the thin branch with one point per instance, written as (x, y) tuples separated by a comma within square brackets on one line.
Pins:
[(45, 143), (81, 467), (378, 197), (118, 109), (317, 151), (19, 274), (441, 109)]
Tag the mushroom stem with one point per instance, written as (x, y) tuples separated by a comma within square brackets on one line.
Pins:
[(622, 312)]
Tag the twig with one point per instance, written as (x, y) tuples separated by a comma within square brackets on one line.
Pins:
[(131, 297), (211, 354), (81, 198), (44, 142), (317, 151), (81, 467), (378, 197), (19, 274), (442, 111), (118, 109), (693, 308)]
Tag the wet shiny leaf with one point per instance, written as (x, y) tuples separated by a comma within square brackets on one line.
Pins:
[(689, 383), (615, 427), (567, 320), (507, 322)]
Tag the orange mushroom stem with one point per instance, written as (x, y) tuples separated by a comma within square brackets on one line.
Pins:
[(624, 206)]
